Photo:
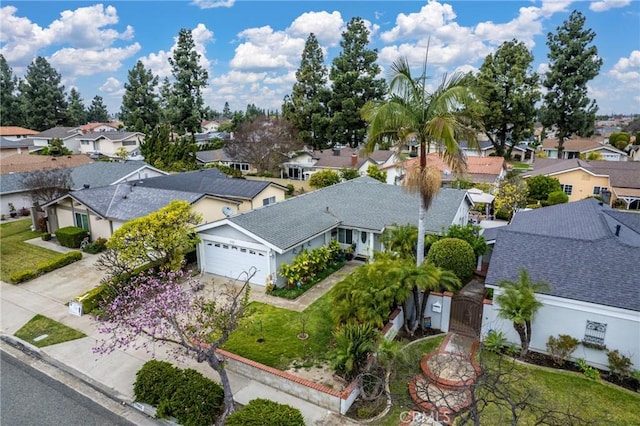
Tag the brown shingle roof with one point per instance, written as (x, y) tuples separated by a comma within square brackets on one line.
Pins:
[(29, 162), (579, 145), (15, 131), (484, 166)]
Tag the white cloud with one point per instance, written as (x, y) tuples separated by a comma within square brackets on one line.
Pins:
[(327, 27), (604, 5), (112, 86), (20, 37), (212, 4), (627, 70), (72, 62), (266, 49)]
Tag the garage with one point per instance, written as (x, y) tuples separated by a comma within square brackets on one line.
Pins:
[(230, 260)]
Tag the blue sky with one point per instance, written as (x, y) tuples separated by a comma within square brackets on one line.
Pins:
[(252, 49)]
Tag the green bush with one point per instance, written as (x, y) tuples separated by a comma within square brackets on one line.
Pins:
[(290, 189), (91, 299), (589, 371), (495, 341), (619, 365), (196, 400), (64, 260), (46, 237), (455, 255), (97, 246), (71, 236), (557, 197), (560, 348), (22, 276), (260, 412), (155, 382), (354, 343)]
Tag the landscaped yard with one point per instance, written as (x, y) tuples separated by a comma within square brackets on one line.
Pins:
[(41, 331), (16, 255), (269, 335)]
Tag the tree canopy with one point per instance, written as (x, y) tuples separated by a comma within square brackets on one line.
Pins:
[(140, 109), (43, 98)]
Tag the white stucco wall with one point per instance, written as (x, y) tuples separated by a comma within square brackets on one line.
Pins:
[(564, 316), (19, 200)]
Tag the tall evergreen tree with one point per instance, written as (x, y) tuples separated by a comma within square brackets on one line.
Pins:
[(140, 109), (77, 110), (307, 108), (226, 111), (43, 97), (510, 90), (97, 112), (353, 76), (9, 102), (190, 78), (573, 62)]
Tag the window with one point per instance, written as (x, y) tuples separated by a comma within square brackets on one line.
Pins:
[(129, 143), (568, 189), (345, 236), (82, 221), (267, 201), (597, 190), (84, 142), (594, 333)]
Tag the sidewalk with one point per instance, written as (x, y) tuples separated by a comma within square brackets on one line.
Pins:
[(112, 375)]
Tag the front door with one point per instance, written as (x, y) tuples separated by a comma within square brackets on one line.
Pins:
[(361, 239)]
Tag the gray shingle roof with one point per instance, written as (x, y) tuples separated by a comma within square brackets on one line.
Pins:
[(125, 202), (112, 136), (58, 132), (574, 248), (103, 173), (208, 181), (363, 203), (20, 143)]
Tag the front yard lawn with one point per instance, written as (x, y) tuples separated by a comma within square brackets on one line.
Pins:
[(269, 335), (16, 255), (54, 331)]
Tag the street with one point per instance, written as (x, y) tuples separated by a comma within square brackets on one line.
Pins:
[(29, 397)]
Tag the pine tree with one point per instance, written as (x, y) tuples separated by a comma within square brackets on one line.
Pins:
[(510, 91), (190, 78), (9, 102), (43, 97), (226, 111), (97, 112), (307, 108), (573, 62), (140, 109), (353, 75), (77, 111)]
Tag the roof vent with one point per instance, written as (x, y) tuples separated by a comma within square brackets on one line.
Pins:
[(336, 151), (618, 230), (86, 186)]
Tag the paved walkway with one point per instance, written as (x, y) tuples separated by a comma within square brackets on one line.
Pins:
[(113, 375)]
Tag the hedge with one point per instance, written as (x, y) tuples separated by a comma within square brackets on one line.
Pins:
[(91, 299), (260, 412), (44, 267), (455, 255), (71, 236), (22, 276)]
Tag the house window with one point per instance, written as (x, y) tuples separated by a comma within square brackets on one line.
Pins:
[(83, 142), (594, 333), (345, 236), (597, 190), (82, 221), (129, 143), (568, 189), (267, 201)]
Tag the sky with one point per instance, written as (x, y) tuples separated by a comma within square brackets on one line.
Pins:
[(252, 49)]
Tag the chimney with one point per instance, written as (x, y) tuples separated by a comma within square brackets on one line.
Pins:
[(336, 151), (354, 160)]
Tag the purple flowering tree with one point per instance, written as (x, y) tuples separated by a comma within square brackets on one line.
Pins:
[(170, 309)]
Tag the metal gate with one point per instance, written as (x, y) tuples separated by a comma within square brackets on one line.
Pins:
[(466, 315)]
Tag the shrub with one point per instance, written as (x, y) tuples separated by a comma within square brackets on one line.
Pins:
[(495, 341), (587, 370), (619, 365), (557, 197), (290, 189), (560, 348), (324, 178), (153, 381), (46, 237), (354, 343), (455, 255), (260, 412), (471, 234), (61, 261), (71, 236), (97, 246), (22, 276), (308, 264), (91, 299)]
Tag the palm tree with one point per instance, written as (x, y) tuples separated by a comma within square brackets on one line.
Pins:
[(401, 240), (443, 280), (519, 305)]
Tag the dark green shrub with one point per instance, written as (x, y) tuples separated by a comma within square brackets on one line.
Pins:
[(22, 276), (97, 246), (46, 237), (71, 236), (259, 412), (471, 234), (619, 365), (155, 382), (290, 189), (455, 255), (560, 348), (64, 260), (557, 197), (196, 400), (91, 299)]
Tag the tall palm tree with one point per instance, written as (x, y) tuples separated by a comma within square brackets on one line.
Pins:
[(519, 305)]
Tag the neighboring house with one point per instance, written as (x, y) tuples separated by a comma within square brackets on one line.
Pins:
[(210, 137), (9, 147), (521, 152), (243, 195), (580, 179), (303, 164), (633, 151), (220, 156), (31, 162), (479, 169), (15, 133), (589, 254), (354, 212), (573, 148), (68, 135), (108, 143), (98, 127), (100, 173), (210, 126)]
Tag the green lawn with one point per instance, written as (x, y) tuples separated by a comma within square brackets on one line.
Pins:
[(15, 254), (55, 331), (269, 335)]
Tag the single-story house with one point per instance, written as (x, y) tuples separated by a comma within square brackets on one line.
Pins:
[(15, 133), (354, 212), (301, 165), (68, 135), (520, 152), (589, 255), (108, 143), (573, 148), (10, 147), (222, 157), (98, 127), (581, 178)]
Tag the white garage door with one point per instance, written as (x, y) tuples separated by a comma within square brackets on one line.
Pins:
[(231, 260)]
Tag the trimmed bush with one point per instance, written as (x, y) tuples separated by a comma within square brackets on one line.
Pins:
[(64, 260), (71, 236), (155, 381), (22, 276), (557, 197), (46, 237), (91, 299), (455, 255), (260, 412)]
